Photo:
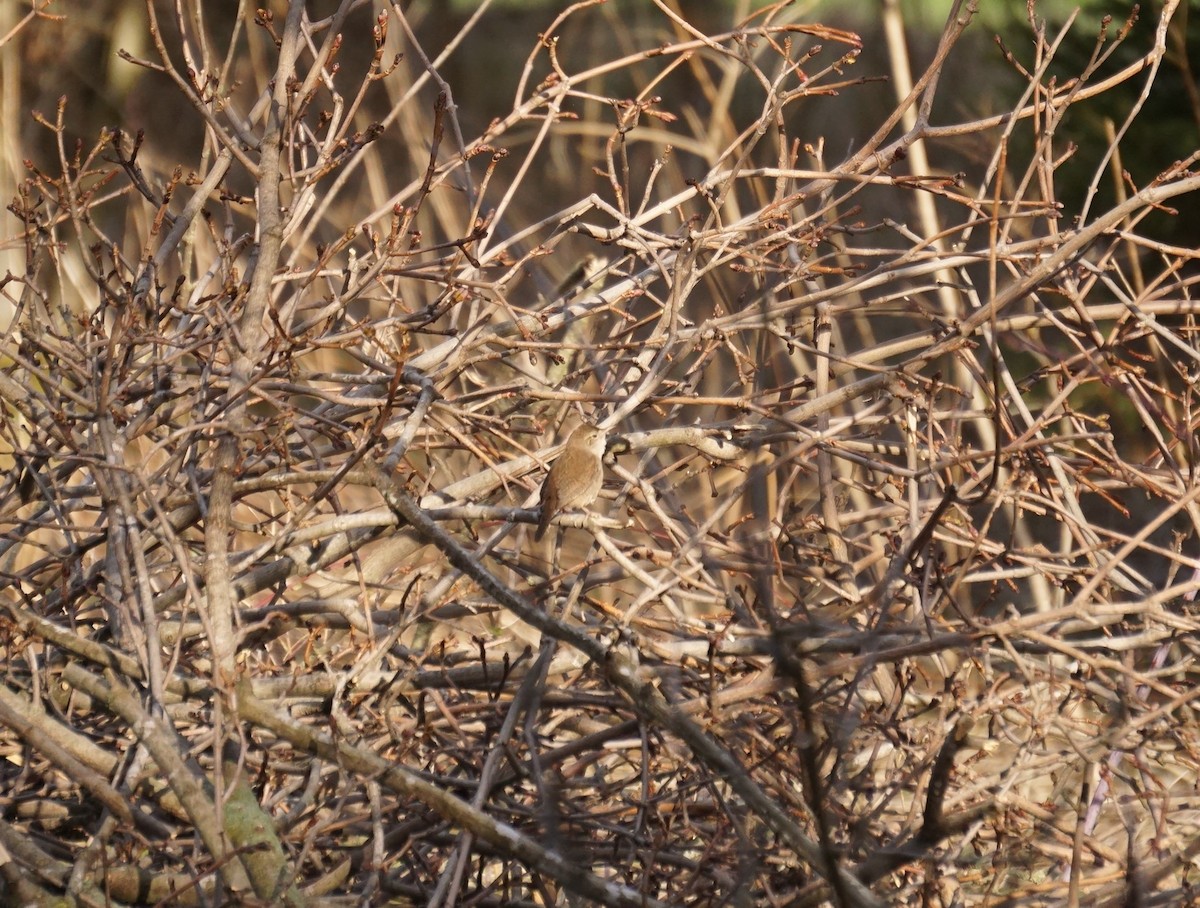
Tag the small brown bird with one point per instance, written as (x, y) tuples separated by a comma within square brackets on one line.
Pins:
[(575, 477)]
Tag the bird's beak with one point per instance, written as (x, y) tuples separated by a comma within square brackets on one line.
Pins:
[(616, 444)]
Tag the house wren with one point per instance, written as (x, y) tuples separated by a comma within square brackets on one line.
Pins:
[(575, 477)]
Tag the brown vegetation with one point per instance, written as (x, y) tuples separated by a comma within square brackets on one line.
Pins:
[(888, 596)]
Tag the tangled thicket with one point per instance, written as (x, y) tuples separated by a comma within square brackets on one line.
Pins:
[(887, 600)]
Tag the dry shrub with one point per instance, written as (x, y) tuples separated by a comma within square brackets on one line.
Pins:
[(880, 606)]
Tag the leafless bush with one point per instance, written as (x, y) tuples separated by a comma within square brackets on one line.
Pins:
[(879, 606)]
